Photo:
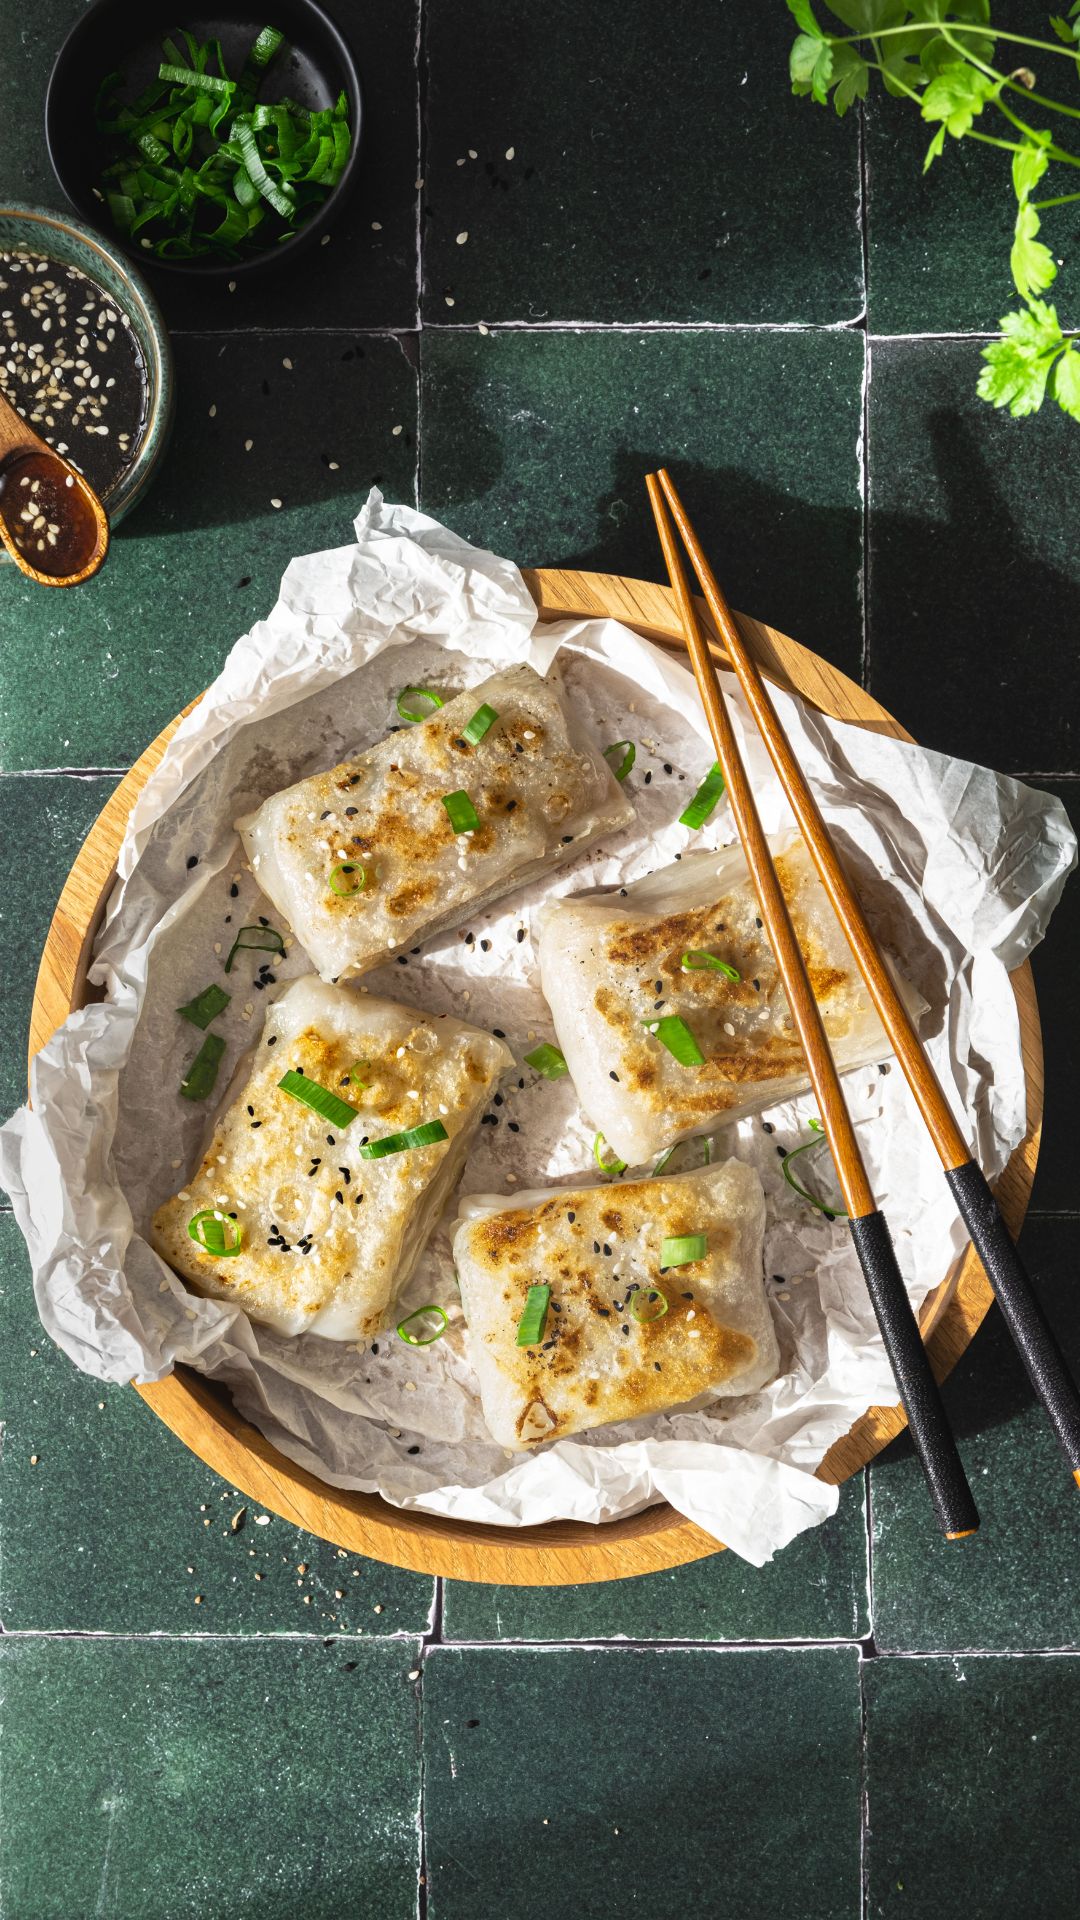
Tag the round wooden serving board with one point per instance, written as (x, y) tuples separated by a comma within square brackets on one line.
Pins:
[(559, 1553)]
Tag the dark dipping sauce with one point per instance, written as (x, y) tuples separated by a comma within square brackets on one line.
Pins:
[(71, 366), (47, 515)]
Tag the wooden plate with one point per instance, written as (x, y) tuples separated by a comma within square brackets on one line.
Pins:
[(560, 1553)]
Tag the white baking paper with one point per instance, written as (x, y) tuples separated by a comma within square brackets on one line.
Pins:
[(959, 867)]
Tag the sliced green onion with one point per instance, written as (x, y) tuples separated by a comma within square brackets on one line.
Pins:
[(216, 1233), (614, 1165), (665, 1157), (278, 196), (347, 867), (267, 940), (199, 1080), (358, 1068), (697, 961), (418, 693), (320, 1099), (206, 1006), (648, 1304), (674, 1034), (426, 1135), (704, 799), (628, 752), (264, 48), (483, 719), (424, 1327), (547, 1060), (831, 1213), (531, 1325), (198, 82), (682, 1249), (462, 813)]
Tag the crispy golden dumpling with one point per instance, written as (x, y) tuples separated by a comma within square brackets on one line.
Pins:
[(328, 1236), (598, 1248), (612, 962), (541, 792)]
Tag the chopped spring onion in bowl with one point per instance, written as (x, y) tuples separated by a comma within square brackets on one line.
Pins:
[(201, 169)]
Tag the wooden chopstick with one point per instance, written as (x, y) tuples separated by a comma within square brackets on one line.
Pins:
[(910, 1363), (1027, 1324)]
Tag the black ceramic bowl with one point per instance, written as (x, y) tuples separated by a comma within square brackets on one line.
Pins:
[(125, 36)]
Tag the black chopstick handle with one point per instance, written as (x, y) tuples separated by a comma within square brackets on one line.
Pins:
[(910, 1362), (1032, 1336)]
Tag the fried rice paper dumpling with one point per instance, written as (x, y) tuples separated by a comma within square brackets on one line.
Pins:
[(541, 790), (610, 963), (328, 1237), (597, 1248)]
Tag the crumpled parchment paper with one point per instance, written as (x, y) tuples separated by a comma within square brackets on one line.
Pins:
[(959, 867)]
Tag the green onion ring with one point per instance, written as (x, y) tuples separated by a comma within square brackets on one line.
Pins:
[(629, 755), (417, 693), (205, 1235), (531, 1325), (614, 1166), (683, 1250), (347, 866), (653, 1297), (831, 1213), (421, 1317), (698, 961)]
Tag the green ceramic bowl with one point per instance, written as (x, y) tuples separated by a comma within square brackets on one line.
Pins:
[(36, 230)]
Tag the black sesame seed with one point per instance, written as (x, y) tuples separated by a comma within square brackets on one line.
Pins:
[(403, 959), (490, 1120), (612, 1075), (884, 1067), (500, 1035), (520, 935), (469, 939), (234, 891), (350, 811), (345, 1174), (272, 1042), (607, 1250), (571, 1217), (485, 946), (192, 861), (256, 1123), (340, 1198), (605, 1312), (757, 986), (263, 921), (758, 923), (596, 1246), (330, 1141), (626, 1329), (416, 1450), (782, 1152), (688, 1296), (659, 986), (566, 839), (648, 779), (767, 1127), (668, 768), (251, 1109), (656, 1366), (513, 1126), (374, 1346), (498, 1100), (326, 815)]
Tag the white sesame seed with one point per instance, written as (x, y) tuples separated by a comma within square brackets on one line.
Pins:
[(472, 153), (213, 412), (462, 237), (275, 502), (449, 299), (396, 430), (287, 364), (376, 226), (509, 153)]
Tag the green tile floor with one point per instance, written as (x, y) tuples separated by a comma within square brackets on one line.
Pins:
[(666, 256)]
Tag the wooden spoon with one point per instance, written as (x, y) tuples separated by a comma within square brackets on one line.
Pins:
[(51, 520)]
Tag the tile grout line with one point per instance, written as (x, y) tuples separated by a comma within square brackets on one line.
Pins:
[(855, 323), (864, 409), (421, 162), (864, 1800)]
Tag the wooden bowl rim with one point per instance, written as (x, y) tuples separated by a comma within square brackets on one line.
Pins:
[(563, 1552)]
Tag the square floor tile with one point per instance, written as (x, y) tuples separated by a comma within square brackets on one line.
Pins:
[(366, 275), (974, 570), (1057, 1179), (89, 681), (815, 1590), (43, 823), (149, 1780), (969, 1767), (631, 162), (938, 243), (109, 1525), (537, 444), (607, 1782), (1017, 1583)]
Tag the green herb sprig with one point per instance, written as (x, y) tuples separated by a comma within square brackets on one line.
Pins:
[(948, 58)]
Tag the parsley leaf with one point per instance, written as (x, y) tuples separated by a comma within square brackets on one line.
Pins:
[(804, 15), (1018, 367), (1033, 265), (1067, 382), (957, 96), (811, 67)]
